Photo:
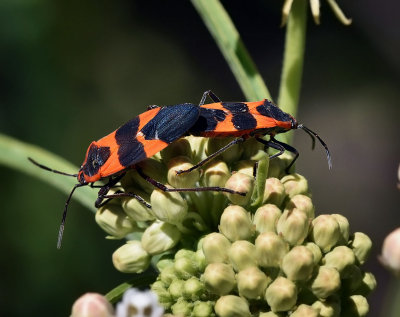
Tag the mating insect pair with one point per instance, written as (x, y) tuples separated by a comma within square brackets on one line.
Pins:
[(153, 130)]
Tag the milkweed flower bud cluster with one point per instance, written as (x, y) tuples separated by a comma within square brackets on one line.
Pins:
[(262, 254)]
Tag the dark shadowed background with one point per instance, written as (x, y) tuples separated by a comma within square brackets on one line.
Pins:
[(73, 71)]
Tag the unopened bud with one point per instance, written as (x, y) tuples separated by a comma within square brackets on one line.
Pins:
[(168, 275), (270, 250), (182, 308), (168, 206), (344, 228), (113, 220), (316, 251), (152, 168), (203, 309), (241, 183), (193, 289), (137, 210), (198, 146), (281, 294), (160, 237), (304, 311), (184, 180), (361, 245), (270, 314), (390, 257), (164, 297), (92, 305), (185, 268), (164, 261), (242, 255), (252, 282), (176, 288), (328, 308), (298, 264), (215, 248), (302, 203), (216, 173), (326, 282), (235, 223), (200, 260), (131, 258), (341, 258), (219, 278), (184, 253), (231, 155), (266, 218), (293, 226), (274, 192), (277, 166), (367, 285), (353, 280), (231, 305), (295, 184), (179, 147), (245, 167), (355, 306), (325, 232)]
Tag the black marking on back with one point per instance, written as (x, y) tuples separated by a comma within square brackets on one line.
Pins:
[(271, 110), (96, 158), (208, 120), (242, 119), (171, 122), (130, 150)]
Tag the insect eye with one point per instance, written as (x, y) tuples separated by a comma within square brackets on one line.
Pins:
[(95, 163)]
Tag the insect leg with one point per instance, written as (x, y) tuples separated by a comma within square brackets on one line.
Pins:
[(122, 194), (289, 148), (211, 95)]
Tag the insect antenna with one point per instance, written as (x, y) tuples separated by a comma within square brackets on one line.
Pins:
[(50, 169), (312, 134)]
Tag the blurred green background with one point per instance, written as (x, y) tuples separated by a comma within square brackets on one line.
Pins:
[(73, 71)]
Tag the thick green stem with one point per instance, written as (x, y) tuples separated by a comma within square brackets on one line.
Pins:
[(229, 42), (289, 91)]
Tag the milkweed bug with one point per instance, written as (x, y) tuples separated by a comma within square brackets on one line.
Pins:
[(244, 120), (136, 140)]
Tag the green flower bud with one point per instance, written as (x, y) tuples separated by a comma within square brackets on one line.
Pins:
[(341, 258), (367, 285), (251, 148), (231, 155), (245, 167), (293, 226), (270, 250), (198, 146), (203, 309), (325, 232), (219, 278), (176, 288), (390, 257), (131, 258), (168, 206), (252, 282), (302, 203), (160, 237), (168, 274), (135, 209), (164, 297), (182, 308), (232, 306), (327, 308), (185, 268), (278, 165), (164, 262), (326, 282), (216, 174), (361, 245), (92, 305), (200, 260), (355, 306), (344, 228), (271, 314), (235, 223), (112, 219), (179, 147), (152, 168), (304, 311), (184, 180), (184, 253), (316, 251), (298, 264), (215, 248), (241, 183), (193, 289), (281, 295), (242, 255), (266, 218), (353, 280), (295, 184), (274, 192)]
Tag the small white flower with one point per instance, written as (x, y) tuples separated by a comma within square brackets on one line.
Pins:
[(136, 303)]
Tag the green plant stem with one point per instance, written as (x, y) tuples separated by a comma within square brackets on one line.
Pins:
[(292, 70), (229, 42), (14, 154)]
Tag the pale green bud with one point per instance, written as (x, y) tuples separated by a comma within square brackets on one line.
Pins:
[(135, 209), (251, 148), (216, 173), (203, 309), (341, 258), (293, 226), (245, 167), (235, 223), (278, 165), (271, 314), (113, 220), (252, 282), (231, 155), (241, 183), (200, 260), (168, 274), (152, 168), (176, 288), (266, 218), (326, 282), (270, 250), (344, 228), (302, 203), (367, 285), (361, 245), (325, 232), (184, 253), (355, 306), (304, 311), (198, 146), (242, 254), (185, 268), (298, 264), (92, 305), (182, 308), (316, 251), (193, 289), (179, 147), (215, 248), (232, 306), (184, 180), (164, 261), (327, 308), (219, 278), (160, 237), (295, 184), (168, 206), (281, 295), (390, 257), (131, 258), (164, 297), (274, 192)]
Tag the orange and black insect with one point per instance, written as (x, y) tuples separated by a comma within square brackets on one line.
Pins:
[(138, 139), (244, 120)]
